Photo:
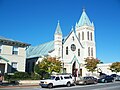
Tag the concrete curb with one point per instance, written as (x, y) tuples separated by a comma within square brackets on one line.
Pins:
[(19, 86)]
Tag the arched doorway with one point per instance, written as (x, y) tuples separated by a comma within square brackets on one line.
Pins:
[(74, 70)]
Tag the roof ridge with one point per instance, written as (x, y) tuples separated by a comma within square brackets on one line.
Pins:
[(43, 43), (40, 50)]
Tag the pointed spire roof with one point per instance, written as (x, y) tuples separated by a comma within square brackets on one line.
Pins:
[(84, 20), (92, 24), (76, 25), (72, 29), (58, 29)]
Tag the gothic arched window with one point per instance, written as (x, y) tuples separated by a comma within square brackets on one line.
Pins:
[(91, 36), (91, 51), (66, 50), (88, 35), (88, 51), (78, 52), (82, 35), (79, 36)]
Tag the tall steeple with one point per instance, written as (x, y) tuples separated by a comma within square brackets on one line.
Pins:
[(58, 29), (85, 33), (58, 41), (84, 20)]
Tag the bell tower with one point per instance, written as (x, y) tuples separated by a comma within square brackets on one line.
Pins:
[(58, 41), (85, 33)]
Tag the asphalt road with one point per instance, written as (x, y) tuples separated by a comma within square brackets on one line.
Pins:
[(99, 86)]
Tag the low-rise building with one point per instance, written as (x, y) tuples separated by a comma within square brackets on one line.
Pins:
[(105, 68), (12, 55)]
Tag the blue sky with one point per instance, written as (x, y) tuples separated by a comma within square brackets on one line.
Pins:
[(34, 22)]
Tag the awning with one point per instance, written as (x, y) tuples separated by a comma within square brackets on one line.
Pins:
[(4, 59)]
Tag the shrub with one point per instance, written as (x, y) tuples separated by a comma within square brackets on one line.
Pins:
[(21, 75), (35, 76)]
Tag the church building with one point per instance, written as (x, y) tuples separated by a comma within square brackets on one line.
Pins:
[(71, 50)]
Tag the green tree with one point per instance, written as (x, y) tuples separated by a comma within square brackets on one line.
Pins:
[(115, 67), (91, 64), (47, 66)]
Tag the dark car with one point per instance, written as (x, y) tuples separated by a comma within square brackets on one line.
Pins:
[(113, 75), (116, 77), (87, 80), (106, 79)]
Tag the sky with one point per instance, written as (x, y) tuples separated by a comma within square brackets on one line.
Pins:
[(35, 21)]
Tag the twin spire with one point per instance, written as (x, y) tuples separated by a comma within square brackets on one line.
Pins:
[(58, 29), (84, 20)]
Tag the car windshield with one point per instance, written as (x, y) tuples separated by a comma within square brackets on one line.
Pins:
[(80, 78), (51, 77)]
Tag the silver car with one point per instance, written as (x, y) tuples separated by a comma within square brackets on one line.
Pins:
[(87, 80)]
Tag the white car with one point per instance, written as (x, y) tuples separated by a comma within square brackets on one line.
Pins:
[(56, 80)]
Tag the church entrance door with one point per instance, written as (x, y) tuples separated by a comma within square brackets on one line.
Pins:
[(74, 70)]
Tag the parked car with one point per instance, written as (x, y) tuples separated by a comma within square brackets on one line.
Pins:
[(106, 79), (102, 74), (116, 77), (87, 80), (56, 80)]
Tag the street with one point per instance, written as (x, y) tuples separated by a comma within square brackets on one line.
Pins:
[(99, 86)]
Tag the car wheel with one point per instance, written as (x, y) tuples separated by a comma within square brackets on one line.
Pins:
[(74, 84), (85, 83), (105, 81), (50, 85), (95, 82), (68, 84), (113, 80)]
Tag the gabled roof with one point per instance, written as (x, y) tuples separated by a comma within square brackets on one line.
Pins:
[(74, 59), (65, 38), (12, 42), (3, 38), (58, 29), (4, 59), (44, 49), (40, 50), (84, 20)]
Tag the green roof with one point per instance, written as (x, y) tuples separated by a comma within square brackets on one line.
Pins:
[(40, 50), (75, 59), (84, 20), (58, 29), (4, 59), (43, 49)]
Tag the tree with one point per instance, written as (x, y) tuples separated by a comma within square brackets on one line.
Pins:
[(40, 70), (48, 65), (115, 67), (91, 64)]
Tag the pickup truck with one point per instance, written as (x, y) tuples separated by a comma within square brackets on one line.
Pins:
[(57, 80)]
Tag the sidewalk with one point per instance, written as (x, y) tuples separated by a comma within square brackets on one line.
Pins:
[(7, 85), (19, 86)]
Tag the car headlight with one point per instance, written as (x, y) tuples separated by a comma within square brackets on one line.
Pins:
[(45, 82)]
